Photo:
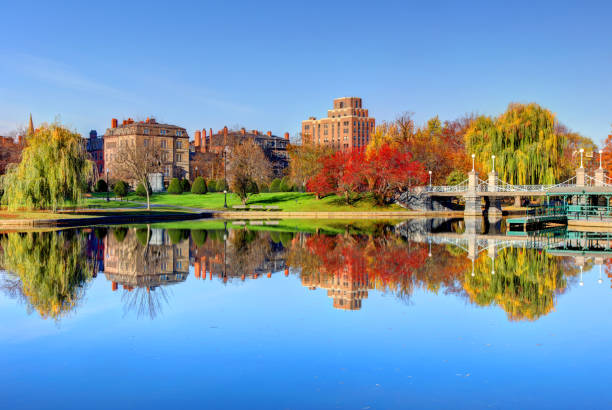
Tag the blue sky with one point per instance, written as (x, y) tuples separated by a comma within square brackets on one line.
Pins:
[(269, 65)]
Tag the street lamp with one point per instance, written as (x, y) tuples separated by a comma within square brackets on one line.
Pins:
[(430, 179), (600, 164), (493, 158), (581, 283), (581, 152), (107, 185), (473, 156), (225, 198)]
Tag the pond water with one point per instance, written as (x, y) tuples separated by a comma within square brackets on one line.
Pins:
[(302, 315)]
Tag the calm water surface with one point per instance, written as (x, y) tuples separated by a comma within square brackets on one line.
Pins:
[(358, 316)]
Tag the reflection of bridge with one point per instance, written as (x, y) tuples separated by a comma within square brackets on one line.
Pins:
[(473, 190)]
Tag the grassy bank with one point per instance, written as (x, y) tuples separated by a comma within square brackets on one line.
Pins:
[(286, 201)]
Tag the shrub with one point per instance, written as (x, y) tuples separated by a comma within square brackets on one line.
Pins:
[(264, 188), (178, 235), (275, 185), (221, 185), (199, 186), (142, 234), (101, 186), (120, 233), (212, 185), (198, 236), (185, 186), (175, 187), (140, 190), (120, 189), (285, 185)]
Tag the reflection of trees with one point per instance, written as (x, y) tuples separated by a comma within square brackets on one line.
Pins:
[(144, 302), (47, 270), (525, 284)]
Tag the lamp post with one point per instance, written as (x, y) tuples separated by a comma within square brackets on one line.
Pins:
[(473, 157), (581, 152), (600, 162), (430, 179), (581, 283), (225, 176), (107, 185), (493, 158)]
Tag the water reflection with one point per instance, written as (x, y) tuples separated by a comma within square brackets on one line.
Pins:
[(49, 271)]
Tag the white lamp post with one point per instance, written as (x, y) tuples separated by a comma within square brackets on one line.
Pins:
[(581, 152), (473, 156), (493, 158), (600, 163), (430, 179), (581, 283)]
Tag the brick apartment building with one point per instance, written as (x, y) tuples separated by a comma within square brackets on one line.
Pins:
[(347, 126), (10, 151), (208, 149), (95, 149), (173, 140)]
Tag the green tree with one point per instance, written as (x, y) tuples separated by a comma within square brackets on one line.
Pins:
[(101, 186), (198, 236), (199, 186), (52, 172), (526, 142), (175, 187), (285, 185), (456, 177), (120, 189), (211, 185)]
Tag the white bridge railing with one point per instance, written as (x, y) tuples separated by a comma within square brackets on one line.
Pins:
[(501, 186)]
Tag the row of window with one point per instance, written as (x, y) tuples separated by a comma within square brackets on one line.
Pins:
[(178, 133)]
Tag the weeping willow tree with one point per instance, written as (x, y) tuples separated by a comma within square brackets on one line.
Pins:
[(525, 284), (527, 142), (50, 269), (52, 172)]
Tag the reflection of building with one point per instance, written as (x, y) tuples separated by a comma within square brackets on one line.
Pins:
[(95, 149), (347, 126), (273, 147), (347, 287), (219, 258), (130, 263), (172, 141)]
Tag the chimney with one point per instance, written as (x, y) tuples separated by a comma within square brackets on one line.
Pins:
[(210, 141), (123, 122), (255, 132), (287, 136), (114, 123), (203, 147), (20, 138), (243, 131), (198, 138), (225, 136), (269, 133), (148, 119)]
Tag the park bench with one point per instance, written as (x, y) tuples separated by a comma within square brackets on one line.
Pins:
[(238, 223), (241, 207), (272, 208), (256, 207), (271, 222), (256, 222)]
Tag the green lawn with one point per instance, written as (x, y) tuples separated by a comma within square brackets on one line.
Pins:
[(286, 201)]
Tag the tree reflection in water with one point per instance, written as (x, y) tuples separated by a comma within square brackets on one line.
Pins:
[(48, 271)]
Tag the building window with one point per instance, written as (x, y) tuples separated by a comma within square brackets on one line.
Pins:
[(146, 143), (162, 132), (179, 144), (146, 131), (179, 157), (179, 133), (306, 127), (163, 144)]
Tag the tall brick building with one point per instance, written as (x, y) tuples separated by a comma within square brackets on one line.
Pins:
[(10, 151), (173, 140), (95, 149), (347, 126)]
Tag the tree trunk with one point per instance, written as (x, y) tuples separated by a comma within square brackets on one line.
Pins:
[(146, 185)]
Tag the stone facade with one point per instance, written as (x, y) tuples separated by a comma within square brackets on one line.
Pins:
[(95, 149), (174, 142), (348, 125)]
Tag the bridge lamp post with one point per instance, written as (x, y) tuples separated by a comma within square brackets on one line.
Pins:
[(473, 157), (493, 158), (430, 179), (581, 283), (581, 152), (600, 163)]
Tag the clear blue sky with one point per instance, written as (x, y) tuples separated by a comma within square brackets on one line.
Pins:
[(269, 65)]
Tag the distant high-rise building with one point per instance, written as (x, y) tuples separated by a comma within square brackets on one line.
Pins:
[(347, 126)]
